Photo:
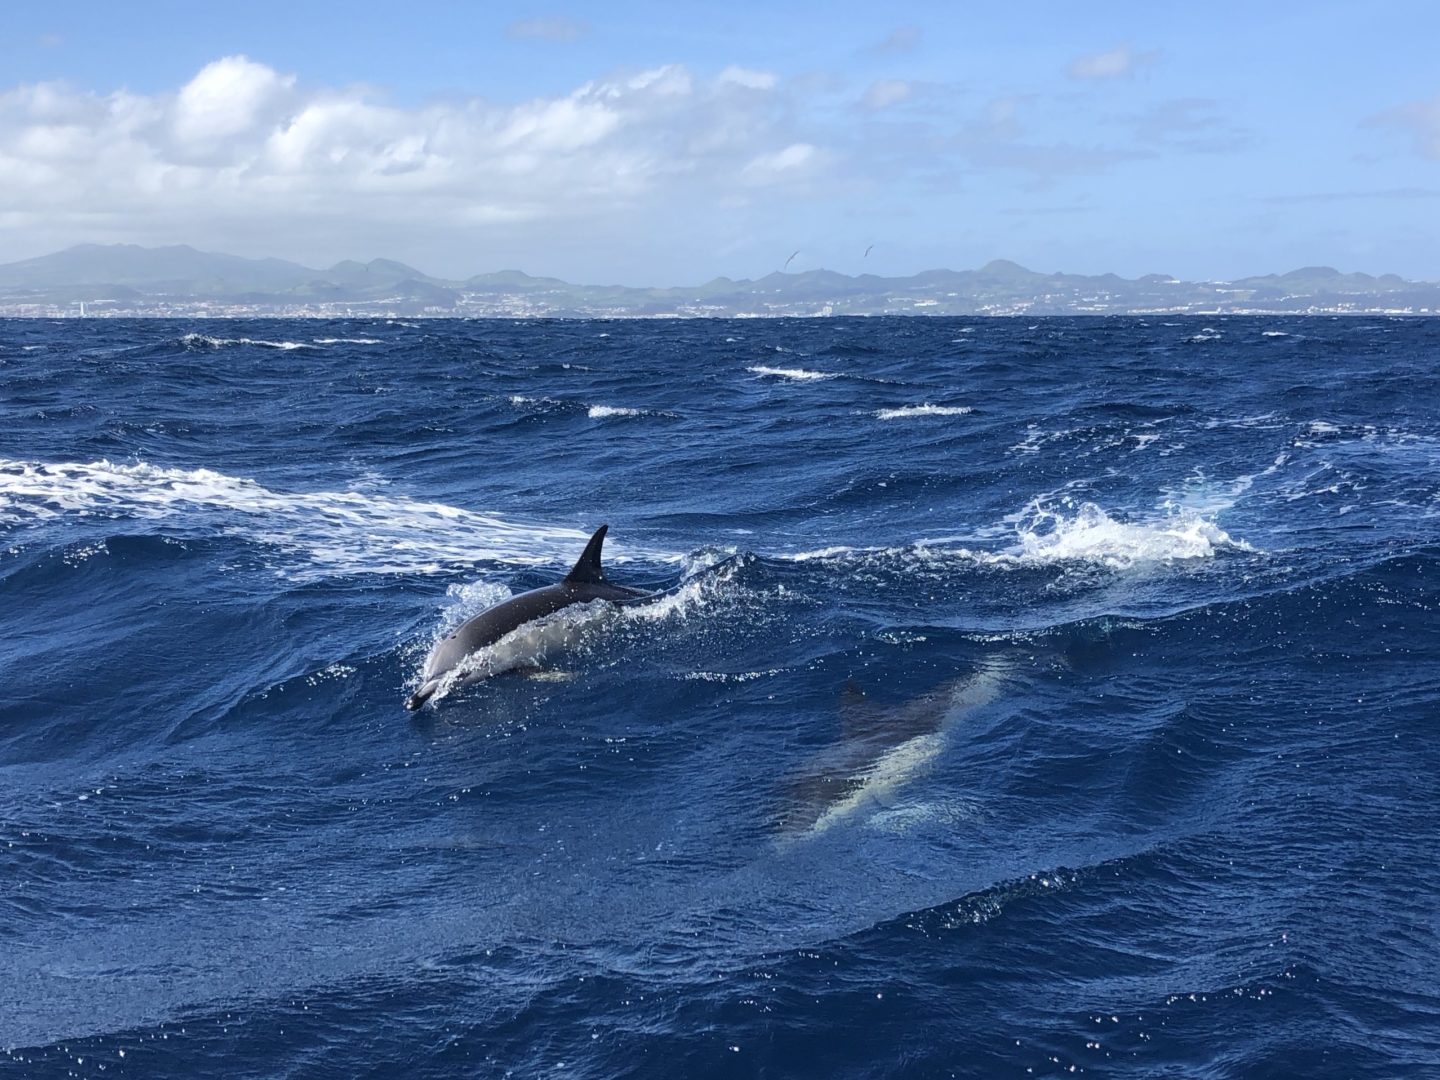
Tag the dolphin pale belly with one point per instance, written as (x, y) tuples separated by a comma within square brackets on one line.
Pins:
[(880, 749), (519, 629)]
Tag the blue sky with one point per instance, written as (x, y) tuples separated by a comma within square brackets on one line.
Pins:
[(660, 143)]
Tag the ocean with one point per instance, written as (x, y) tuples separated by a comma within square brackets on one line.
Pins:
[(1022, 697)]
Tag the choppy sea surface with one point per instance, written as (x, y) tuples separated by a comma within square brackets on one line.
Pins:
[(1023, 697)]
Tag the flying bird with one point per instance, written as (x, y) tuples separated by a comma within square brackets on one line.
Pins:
[(790, 260), (867, 251)]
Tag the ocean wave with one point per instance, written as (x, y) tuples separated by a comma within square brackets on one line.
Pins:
[(798, 374), (349, 532), (347, 341), (906, 412), (601, 412)]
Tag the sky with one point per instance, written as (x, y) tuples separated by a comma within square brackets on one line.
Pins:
[(640, 142)]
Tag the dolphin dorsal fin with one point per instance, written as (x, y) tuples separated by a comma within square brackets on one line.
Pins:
[(587, 568)]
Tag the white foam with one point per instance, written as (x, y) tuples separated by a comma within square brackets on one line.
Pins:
[(319, 532), (799, 374), (905, 412), (346, 341), (1046, 535), (601, 412), (520, 400), (1273, 333), (1092, 535)]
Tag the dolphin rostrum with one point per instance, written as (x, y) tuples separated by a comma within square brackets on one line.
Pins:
[(506, 629)]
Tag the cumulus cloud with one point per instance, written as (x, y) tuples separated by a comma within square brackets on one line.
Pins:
[(555, 28), (1419, 119), (884, 93), (1121, 62), (228, 98), (244, 144)]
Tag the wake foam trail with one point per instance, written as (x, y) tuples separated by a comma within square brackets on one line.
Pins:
[(324, 532)]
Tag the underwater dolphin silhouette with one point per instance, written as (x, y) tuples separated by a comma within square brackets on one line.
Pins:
[(881, 748), (583, 585)]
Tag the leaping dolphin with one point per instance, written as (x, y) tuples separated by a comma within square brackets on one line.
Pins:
[(584, 584)]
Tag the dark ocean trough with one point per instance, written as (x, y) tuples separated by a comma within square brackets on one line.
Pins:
[(1022, 698)]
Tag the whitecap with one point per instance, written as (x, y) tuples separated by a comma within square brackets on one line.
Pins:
[(801, 374), (1092, 535), (905, 412), (193, 340), (347, 341), (601, 412)]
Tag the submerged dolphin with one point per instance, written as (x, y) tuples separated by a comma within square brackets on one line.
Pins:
[(880, 749), (584, 584)]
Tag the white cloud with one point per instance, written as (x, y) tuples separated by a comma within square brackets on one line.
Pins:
[(884, 93), (227, 98), (749, 78), (244, 150), (1120, 62), (791, 162)]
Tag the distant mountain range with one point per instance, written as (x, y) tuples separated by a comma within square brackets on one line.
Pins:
[(124, 279)]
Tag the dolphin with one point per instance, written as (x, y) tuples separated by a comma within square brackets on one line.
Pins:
[(583, 585), (880, 749)]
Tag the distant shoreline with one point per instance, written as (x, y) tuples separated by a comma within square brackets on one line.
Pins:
[(1318, 313), (127, 281)]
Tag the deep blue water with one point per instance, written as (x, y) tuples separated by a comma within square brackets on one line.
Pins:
[(1083, 721)]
